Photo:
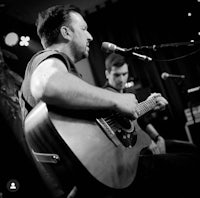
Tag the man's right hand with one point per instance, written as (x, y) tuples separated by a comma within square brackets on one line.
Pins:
[(126, 104)]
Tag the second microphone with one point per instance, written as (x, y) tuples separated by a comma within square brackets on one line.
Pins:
[(110, 48)]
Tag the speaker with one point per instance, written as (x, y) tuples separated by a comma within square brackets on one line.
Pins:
[(193, 132)]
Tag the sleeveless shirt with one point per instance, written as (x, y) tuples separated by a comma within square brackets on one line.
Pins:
[(27, 100)]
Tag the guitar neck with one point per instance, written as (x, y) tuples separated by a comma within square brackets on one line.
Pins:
[(145, 106)]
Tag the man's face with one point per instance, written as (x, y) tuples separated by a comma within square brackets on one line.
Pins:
[(118, 76), (81, 37)]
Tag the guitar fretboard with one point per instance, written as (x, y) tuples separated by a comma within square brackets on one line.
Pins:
[(145, 106)]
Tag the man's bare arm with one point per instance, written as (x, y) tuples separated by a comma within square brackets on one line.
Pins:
[(52, 83)]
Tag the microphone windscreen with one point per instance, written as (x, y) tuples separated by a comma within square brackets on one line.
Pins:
[(164, 75), (108, 47)]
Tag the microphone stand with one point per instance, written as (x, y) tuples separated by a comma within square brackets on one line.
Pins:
[(155, 47), (180, 83)]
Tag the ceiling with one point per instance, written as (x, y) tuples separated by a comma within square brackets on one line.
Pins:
[(27, 10)]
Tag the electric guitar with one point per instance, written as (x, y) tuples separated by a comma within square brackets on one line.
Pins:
[(108, 147)]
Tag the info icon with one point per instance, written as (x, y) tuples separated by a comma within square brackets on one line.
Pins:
[(13, 185)]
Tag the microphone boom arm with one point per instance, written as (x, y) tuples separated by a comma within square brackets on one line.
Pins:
[(154, 47)]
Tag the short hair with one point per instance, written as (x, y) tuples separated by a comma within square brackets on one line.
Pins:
[(115, 60), (50, 20)]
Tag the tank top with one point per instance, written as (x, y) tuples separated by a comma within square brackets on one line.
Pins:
[(27, 100)]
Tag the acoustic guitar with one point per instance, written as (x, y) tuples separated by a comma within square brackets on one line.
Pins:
[(108, 147)]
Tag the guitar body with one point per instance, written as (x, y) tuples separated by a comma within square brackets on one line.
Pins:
[(103, 155)]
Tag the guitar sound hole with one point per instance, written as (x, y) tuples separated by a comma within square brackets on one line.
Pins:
[(123, 121)]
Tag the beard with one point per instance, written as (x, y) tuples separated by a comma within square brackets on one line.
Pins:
[(80, 53)]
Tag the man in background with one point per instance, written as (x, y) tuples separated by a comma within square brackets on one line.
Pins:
[(117, 75)]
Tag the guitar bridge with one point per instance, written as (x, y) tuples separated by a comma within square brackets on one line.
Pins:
[(108, 131)]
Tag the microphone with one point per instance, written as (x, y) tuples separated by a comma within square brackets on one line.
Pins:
[(130, 83), (110, 48), (165, 75), (191, 90)]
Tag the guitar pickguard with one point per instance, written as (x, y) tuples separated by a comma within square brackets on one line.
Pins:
[(119, 129)]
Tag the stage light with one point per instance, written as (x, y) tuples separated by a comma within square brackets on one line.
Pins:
[(24, 41), (11, 39)]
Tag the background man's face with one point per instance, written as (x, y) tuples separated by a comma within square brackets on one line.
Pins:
[(118, 76)]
